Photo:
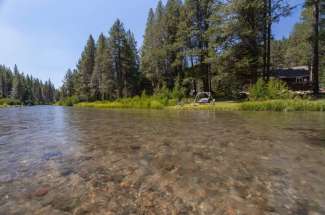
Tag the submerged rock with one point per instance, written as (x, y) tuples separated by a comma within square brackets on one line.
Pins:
[(51, 155), (40, 192)]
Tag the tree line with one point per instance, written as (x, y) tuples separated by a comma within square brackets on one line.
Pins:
[(24, 88), (107, 69), (197, 45)]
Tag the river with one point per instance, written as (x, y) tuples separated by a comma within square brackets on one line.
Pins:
[(57, 160)]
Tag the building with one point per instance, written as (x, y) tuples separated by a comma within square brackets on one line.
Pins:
[(297, 78)]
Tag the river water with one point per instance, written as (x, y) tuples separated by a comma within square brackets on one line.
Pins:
[(56, 160)]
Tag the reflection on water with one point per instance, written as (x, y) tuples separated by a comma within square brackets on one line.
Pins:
[(56, 160)]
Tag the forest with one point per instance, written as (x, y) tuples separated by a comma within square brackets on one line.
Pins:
[(216, 46), (17, 88), (197, 45)]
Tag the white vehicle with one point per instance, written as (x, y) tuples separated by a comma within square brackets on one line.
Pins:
[(204, 98)]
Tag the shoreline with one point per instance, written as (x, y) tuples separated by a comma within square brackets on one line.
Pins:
[(291, 105)]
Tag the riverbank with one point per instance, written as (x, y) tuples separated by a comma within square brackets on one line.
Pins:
[(138, 102), (6, 102), (268, 105)]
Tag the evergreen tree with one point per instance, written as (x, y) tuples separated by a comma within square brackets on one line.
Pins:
[(101, 69), (147, 66), (171, 21), (68, 84), (322, 44), (193, 40), (153, 53), (25, 88), (236, 36), (278, 55), (315, 44), (119, 54), (17, 88), (133, 64), (299, 51), (86, 67)]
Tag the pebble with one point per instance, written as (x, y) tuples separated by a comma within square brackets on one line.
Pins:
[(40, 192)]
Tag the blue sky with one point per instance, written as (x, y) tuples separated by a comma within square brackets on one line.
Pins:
[(46, 37)]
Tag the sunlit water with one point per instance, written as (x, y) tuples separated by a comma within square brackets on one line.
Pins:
[(56, 160)]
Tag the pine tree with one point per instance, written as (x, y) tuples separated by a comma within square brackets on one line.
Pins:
[(86, 67), (101, 69), (273, 11), (158, 53), (236, 44), (153, 55), (29, 96), (147, 67), (68, 84), (193, 40), (315, 44), (170, 24), (322, 44), (117, 46), (299, 50), (133, 63), (17, 86), (26, 89), (278, 55), (37, 92)]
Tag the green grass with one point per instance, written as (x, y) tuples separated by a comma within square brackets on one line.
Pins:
[(217, 106), (268, 105), (6, 102), (138, 102), (159, 102), (284, 105), (69, 101)]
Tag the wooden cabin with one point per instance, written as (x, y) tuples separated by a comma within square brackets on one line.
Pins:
[(297, 78)]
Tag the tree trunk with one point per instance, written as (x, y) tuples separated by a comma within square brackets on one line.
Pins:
[(265, 39), (269, 35), (315, 68)]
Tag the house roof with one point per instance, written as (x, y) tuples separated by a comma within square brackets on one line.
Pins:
[(290, 73)]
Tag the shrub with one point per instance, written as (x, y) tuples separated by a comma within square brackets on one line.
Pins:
[(162, 93), (257, 91), (274, 89), (10, 102), (141, 102), (283, 105), (277, 89), (177, 93), (69, 101), (226, 86)]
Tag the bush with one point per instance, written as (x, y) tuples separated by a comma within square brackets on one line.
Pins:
[(274, 89), (10, 102), (226, 86), (69, 101), (177, 93), (140, 102), (284, 105)]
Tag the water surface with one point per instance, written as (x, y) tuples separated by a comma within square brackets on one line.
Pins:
[(56, 160)]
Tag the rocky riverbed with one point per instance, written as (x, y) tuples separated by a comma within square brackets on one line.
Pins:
[(72, 161)]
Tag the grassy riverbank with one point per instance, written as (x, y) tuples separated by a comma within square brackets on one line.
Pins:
[(268, 105), (5, 102), (138, 102)]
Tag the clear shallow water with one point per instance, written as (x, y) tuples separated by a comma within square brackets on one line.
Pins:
[(56, 160)]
